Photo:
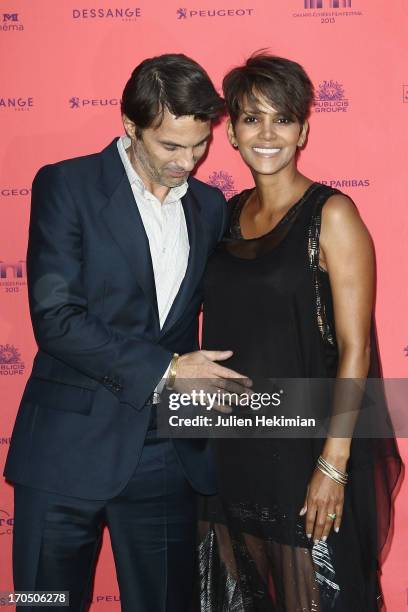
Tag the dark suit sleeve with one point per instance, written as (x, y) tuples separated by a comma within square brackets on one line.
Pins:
[(128, 365)]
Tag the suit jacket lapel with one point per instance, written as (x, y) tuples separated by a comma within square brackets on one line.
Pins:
[(196, 261), (124, 222)]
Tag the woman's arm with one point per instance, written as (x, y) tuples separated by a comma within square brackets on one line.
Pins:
[(346, 252)]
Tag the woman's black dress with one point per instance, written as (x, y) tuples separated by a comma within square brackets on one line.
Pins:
[(268, 300)]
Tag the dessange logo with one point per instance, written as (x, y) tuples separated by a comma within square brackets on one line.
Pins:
[(121, 13), (17, 103)]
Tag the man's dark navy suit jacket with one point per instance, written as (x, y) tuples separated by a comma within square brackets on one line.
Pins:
[(82, 419)]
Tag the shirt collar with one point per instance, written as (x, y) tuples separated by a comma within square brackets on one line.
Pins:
[(175, 194)]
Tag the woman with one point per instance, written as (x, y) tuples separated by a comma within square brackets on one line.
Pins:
[(290, 290)]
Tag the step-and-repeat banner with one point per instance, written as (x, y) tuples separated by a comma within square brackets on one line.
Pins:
[(63, 68)]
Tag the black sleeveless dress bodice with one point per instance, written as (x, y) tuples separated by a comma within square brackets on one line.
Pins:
[(268, 300)]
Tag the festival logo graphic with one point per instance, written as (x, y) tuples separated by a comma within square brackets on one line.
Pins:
[(405, 94), (223, 181), (10, 22), (318, 4), (76, 102), (17, 103), (6, 522), (330, 98), (106, 13), (14, 192), (326, 10), (11, 363), (13, 276), (185, 13)]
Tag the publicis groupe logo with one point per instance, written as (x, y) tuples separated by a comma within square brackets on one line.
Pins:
[(11, 363), (14, 192), (107, 13), (343, 183), (326, 10), (330, 98), (13, 276), (405, 94), (224, 181), (76, 102), (20, 103), (10, 22), (186, 13), (6, 522)]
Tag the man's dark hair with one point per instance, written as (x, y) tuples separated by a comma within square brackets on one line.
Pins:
[(173, 82), (281, 82)]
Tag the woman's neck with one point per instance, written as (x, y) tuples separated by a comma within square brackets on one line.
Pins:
[(276, 192)]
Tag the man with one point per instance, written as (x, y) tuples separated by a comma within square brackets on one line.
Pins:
[(117, 247)]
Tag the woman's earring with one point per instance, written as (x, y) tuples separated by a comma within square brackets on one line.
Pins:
[(235, 145)]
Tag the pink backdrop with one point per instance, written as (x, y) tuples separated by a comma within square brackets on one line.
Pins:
[(63, 70)]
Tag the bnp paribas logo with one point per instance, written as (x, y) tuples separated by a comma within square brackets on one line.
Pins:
[(11, 363), (331, 98), (327, 11), (224, 181)]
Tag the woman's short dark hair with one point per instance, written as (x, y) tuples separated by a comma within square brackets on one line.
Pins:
[(173, 82), (281, 82)]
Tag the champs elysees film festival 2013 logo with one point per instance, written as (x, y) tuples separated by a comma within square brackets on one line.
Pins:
[(326, 10)]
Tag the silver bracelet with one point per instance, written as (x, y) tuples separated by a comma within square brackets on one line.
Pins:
[(332, 472)]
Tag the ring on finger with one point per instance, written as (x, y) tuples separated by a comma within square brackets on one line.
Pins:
[(331, 515)]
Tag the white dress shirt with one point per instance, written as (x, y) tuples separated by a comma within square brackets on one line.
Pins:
[(166, 229)]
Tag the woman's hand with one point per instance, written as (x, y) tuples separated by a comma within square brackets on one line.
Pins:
[(324, 496)]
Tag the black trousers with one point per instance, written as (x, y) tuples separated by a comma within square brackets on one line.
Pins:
[(152, 526)]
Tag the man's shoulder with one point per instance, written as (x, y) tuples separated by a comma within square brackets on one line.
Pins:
[(85, 165), (203, 190)]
